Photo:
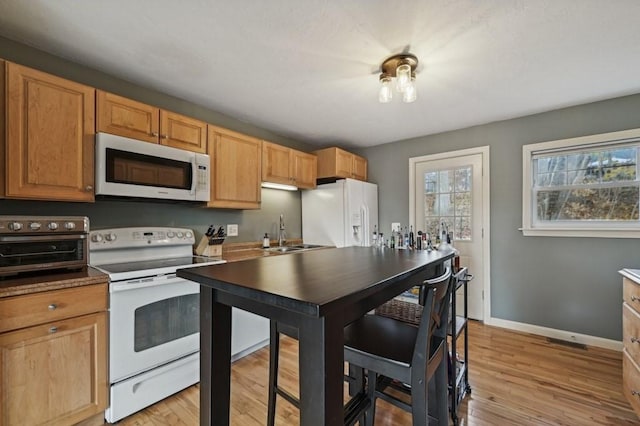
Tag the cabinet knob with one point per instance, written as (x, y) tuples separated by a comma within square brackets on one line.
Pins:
[(634, 298), (53, 307), (154, 134), (88, 188), (635, 392), (53, 330), (164, 136), (635, 340)]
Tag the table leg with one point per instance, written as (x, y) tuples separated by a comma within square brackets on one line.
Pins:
[(321, 371), (215, 355)]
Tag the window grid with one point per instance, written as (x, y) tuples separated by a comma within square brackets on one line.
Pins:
[(591, 184), (448, 195)]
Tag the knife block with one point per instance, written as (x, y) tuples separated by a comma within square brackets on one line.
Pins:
[(210, 250)]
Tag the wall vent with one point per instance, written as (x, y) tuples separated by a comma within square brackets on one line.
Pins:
[(566, 343)]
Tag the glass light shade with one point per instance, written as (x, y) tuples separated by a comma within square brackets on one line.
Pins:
[(410, 93), (403, 77), (386, 93)]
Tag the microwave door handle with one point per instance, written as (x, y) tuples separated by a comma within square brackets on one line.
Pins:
[(194, 175)]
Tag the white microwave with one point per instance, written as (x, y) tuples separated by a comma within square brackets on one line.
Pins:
[(130, 168)]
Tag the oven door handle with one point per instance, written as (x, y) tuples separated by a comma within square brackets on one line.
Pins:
[(40, 253), (138, 283), (23, 238)]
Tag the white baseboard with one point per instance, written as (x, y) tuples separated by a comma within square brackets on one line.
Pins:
[(557, 334), (249, 350)]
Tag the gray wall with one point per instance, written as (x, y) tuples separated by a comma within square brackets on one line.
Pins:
[(569, 284), (252, 223)]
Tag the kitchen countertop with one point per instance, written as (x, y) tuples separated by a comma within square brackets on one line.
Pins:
[(50, 281), (632, 274), (27, 284), (235, 252)]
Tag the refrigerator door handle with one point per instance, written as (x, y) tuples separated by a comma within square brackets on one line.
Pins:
[(364, 226)]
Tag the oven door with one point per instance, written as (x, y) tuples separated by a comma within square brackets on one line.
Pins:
[(29, 253), (153, 321)]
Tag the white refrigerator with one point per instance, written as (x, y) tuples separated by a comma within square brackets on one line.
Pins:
[(340, 214)]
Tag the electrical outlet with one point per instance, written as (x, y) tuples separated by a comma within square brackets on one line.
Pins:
[(232, 230), (395, 227)]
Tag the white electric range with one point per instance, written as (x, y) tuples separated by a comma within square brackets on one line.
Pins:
[(154, 321)]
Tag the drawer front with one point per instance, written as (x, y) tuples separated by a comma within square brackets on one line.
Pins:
[(631, 381), (631, 331), (39, 308), (631, 293)]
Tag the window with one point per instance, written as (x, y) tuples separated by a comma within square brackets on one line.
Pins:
[(586, 187), (447, 197)]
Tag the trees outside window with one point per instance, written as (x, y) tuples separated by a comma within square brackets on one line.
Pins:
[(585, 186)]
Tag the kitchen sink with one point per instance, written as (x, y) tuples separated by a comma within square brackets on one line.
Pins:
[(285, 249), (295, 248), (307, 246)]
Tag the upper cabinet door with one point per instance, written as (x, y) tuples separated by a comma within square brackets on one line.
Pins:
[(3, 135), (50, 137), (344, 163), (305, 169), (359, 167), (183, 132), (276, 164), (125, 117), (236, 161)]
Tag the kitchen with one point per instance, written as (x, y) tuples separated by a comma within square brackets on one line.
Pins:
[(584, 302)]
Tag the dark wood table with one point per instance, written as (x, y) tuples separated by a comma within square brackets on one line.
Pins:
[(318, 292)]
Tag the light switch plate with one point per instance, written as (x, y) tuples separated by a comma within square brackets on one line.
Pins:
[(232, 230)]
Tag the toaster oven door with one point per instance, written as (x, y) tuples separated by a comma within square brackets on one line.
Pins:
[(35, 253)]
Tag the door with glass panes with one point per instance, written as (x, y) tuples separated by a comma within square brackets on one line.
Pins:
[(449, 195)]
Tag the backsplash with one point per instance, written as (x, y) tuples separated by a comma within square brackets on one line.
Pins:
[(109, 213)]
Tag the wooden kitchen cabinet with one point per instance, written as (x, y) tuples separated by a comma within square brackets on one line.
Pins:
[(335, 163), (3, 102), (236, 161), (288, 166), (50, 135), (125, 117), (53, 359), (631, 338)]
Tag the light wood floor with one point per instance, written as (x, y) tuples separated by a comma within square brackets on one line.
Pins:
[(516, 379)]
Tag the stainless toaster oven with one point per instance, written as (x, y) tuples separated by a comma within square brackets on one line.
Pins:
[(39, 243)]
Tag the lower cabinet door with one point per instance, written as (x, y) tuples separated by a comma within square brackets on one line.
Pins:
[(631, 381), (54, 373)]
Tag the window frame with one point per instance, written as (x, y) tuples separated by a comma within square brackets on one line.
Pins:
[(600, 229)]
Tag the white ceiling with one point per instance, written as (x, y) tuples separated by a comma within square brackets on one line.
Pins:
[(308, 69)]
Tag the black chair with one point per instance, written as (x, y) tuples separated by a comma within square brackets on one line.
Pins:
[(391, 350)]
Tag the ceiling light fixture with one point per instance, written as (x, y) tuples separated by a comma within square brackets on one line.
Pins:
[(402, 67)]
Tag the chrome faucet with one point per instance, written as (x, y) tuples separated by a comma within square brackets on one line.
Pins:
[(281, 236)]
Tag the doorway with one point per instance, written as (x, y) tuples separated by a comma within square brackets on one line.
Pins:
[(451, 191)]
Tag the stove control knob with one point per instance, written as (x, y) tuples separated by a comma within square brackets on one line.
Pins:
[(180, 235), (69, 226), (110, 236), (15, 226), (53, 226), (188, 234), (170, 234), (96, 238), (34, 226)]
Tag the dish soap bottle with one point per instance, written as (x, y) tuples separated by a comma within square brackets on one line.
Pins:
[(265, 241)]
